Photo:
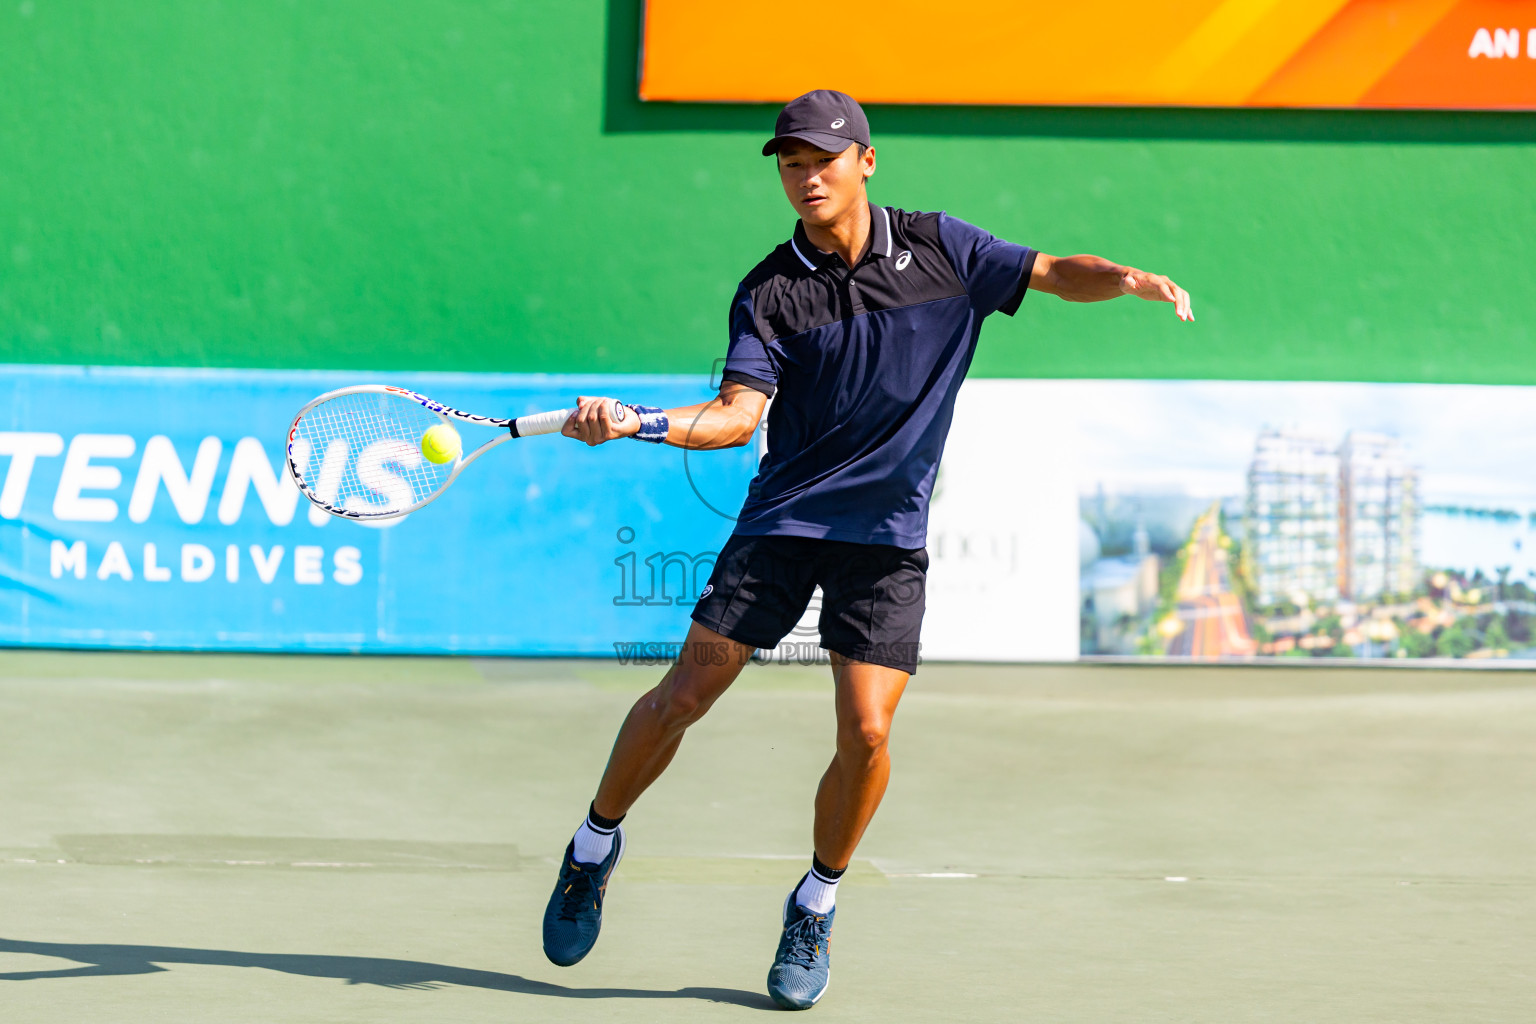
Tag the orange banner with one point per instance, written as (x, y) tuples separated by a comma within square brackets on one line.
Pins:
[(1465, 54)]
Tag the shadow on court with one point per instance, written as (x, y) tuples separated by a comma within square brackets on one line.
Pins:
[(107, 960)]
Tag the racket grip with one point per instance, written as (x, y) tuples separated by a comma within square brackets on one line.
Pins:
[(540, 423), (551, 422)]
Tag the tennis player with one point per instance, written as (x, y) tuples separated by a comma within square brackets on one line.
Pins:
[(861, 328)]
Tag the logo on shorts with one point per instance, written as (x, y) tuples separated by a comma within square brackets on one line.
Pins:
[(709, 588), (903, 259), (839, 123)]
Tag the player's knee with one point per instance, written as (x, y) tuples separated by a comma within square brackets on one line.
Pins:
[(679, 704), (864, 738)]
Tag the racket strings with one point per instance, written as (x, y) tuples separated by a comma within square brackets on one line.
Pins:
[(363, 452)]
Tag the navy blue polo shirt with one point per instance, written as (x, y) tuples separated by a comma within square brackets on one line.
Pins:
[(863, 365)]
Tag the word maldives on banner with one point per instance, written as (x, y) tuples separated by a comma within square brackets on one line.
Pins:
[(1450, 54), (152, 508)]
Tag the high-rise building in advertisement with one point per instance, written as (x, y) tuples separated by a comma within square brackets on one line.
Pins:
[(1324, 523), (1291, 518), (1379, 501)]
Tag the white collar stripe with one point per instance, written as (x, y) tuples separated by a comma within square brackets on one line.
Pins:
[(884, 213), (809, 265)]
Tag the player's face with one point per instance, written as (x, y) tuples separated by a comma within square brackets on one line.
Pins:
[(823, 186)]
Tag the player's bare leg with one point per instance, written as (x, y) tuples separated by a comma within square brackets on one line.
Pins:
[(647, 741), (845, 801), (654, 728), (855, 781)]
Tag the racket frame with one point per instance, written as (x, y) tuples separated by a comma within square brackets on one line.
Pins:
[(521, 426)]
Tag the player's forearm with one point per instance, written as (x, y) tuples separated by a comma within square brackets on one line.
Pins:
[(726, 421), (1082, 278), (1093, 279)]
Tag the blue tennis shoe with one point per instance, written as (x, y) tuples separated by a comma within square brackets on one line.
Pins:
[(803, 965), (575, 912)]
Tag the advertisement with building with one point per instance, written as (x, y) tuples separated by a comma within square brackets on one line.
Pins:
[(1308, 520)]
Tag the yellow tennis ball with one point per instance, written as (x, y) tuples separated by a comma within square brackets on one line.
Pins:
[(441, 444)]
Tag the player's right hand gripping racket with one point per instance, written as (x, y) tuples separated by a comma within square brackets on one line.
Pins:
[(357, 452)]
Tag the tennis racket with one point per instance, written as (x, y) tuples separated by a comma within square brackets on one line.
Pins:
[(356, 452)]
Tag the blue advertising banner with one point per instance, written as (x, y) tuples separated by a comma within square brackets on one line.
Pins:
[(151, 508)]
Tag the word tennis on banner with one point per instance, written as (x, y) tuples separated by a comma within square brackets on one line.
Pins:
[(91, 465)]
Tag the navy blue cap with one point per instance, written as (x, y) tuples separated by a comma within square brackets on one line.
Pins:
[(825, 118)]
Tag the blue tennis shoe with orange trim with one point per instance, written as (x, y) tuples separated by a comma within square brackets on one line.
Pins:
[(802, 967), (574, 915)]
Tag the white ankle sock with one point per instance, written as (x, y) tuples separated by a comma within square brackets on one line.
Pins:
[(593, 843), (817, 894)]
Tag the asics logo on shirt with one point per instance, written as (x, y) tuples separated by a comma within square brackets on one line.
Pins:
[(904, 259)]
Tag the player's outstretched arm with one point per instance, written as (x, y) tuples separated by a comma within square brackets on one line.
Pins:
[(1094, 279), (727, 421)]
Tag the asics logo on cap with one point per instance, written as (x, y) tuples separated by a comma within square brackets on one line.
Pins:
[(839, 123)]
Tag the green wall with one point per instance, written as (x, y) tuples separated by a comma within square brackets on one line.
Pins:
[(459, 185)]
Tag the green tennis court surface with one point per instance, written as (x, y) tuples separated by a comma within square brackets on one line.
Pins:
[(198, 838)]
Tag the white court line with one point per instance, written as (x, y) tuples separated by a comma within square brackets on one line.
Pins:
[(932, 874)]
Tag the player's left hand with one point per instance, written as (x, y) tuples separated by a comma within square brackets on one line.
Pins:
[(1156, 288), (594, 421)]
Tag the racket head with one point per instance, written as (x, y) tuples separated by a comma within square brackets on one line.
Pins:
[(356, 452)]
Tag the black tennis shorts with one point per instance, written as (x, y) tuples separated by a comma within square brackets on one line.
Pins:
[(872, 595)]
